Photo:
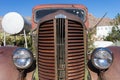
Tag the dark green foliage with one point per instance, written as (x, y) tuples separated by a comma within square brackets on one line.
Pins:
[(16, 41)]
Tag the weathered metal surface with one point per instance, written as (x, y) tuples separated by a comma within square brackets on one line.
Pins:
[(46, 51), (113, 72), (51, 52), (60, 6), (8, 71), (75, 52)]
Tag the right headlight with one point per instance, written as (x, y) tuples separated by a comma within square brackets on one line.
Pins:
[(22, 58), (102, 58)]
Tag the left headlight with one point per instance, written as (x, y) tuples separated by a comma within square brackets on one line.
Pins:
[(22, 58), (102, 58)]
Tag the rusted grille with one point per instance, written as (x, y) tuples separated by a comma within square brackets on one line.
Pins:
[(76, 65), (61, 50), (46, 53)]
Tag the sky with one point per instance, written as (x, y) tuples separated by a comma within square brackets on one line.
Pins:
[(96, 7)]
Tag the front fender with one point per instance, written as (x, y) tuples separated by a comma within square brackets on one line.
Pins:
[(112, 73), (8, 71)]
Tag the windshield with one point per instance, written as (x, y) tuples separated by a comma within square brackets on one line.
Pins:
[(41, 13)]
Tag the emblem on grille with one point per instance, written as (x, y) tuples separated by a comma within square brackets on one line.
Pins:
[(60, 16)]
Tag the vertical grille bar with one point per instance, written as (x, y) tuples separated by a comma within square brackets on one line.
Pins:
[(60, 38)]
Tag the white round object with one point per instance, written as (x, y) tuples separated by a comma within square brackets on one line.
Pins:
[(13, 23)]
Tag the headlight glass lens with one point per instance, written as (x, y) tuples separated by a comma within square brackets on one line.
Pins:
[(102, 58), (22, 58)]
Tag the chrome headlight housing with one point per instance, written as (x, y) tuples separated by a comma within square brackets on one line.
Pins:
[(102, 58), (22, 58)]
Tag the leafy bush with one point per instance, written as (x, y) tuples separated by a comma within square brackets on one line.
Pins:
[(16, 40), (115, 33)]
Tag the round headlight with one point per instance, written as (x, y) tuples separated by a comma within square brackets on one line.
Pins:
[(102, 58), (22, 58)]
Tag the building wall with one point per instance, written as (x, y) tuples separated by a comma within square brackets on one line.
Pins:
[(103, 31)]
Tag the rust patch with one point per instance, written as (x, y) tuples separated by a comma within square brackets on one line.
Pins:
[(1, 52)]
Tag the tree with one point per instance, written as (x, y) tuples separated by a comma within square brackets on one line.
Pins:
[(115, 33), (91, 35)]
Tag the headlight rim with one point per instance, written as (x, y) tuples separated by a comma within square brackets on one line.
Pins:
[(101, 49), (31, 57)]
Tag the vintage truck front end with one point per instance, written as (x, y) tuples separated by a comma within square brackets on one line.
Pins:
[(60, 41), (62, 45)]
